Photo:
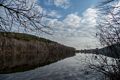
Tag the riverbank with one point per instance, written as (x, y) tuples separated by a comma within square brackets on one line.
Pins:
[(20, 52)]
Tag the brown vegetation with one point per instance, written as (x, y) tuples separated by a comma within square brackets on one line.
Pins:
[(20, 54)]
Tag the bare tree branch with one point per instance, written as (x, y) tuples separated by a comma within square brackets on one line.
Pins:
[(16, 14)]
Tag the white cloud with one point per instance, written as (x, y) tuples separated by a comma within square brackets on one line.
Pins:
[(74, 27), (55, 23), (72, 20), (89, 17), (89, 21), (60, 3), (54, 14)]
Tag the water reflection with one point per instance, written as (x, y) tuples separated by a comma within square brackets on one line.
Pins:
[(73, 68)]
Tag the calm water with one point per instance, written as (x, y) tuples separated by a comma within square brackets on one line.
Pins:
[(73, 68)]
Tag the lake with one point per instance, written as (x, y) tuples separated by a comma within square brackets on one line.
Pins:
[(72, 68)]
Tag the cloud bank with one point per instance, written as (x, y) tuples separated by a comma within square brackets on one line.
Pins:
[(75, 30)]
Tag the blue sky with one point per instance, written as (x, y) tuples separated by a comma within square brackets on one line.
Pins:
[(73, 6), (73, 21)]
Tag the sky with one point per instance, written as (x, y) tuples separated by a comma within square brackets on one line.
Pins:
[(73, 22)]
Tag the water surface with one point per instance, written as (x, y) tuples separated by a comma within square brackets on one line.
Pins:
[(73, 68)]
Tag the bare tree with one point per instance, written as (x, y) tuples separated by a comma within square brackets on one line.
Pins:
[(109, 36), (109, 26), (21, 14)]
